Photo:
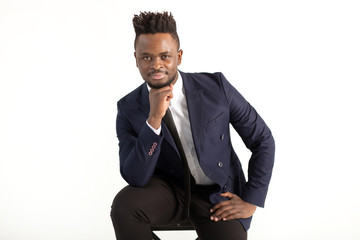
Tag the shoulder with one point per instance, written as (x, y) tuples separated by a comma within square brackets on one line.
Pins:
[(132, 97), (201, 75), (204, 80)]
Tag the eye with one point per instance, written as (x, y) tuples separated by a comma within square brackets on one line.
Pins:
[(147, 58), (165, 57)]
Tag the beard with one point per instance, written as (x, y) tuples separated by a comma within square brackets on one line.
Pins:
[(161, 85)]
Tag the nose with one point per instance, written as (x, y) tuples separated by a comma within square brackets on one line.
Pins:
[(156, 63)]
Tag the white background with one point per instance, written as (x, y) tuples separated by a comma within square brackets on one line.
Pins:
[(64, 65)]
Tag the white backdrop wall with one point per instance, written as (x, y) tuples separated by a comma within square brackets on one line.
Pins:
[(64, 65)]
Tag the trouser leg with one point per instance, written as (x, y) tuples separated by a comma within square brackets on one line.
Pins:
[(135, 209), (206, 228)]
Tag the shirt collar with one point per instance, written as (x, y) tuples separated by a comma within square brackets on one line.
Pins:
[(178, 89)]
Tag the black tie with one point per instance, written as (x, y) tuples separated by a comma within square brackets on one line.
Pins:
[(169, 121)]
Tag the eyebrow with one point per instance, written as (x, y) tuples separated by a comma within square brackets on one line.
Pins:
[(162, 53)]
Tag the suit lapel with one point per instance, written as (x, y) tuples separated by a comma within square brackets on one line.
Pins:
[(194, 99)]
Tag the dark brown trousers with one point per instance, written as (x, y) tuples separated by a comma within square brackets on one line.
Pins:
[(134, 210)]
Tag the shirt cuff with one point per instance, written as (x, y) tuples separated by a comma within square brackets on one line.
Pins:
[(156, 131)]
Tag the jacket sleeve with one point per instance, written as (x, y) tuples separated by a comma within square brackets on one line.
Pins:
[(258, 139), (139, 148)]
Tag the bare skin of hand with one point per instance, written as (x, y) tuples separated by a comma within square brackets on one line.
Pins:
[(233, 208), (159, 102)]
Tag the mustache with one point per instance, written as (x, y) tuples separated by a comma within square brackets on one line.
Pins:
[(157, 71)]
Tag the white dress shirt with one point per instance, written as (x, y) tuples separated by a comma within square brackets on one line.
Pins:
[(179, 110)]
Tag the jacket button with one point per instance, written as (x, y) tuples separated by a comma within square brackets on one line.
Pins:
[(222, 136), (220, 164)]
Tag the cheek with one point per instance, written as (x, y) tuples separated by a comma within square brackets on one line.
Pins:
[(142, 67), (171, 66)]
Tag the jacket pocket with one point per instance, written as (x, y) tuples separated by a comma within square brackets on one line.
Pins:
[(212, 123)]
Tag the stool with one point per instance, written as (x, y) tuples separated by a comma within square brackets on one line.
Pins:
[(174, 227)]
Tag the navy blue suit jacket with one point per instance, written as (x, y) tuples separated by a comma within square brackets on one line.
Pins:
[(213, 104)]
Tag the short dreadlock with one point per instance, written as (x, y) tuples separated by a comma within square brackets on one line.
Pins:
[(154, 22)]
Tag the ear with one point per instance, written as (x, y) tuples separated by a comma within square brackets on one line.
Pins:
[(179, 56), (136, 59)]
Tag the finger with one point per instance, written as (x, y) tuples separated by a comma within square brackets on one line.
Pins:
[(219, 205), (229, 215), (169, 96), (224, 210), (232, 217), (163, 94), (228, 195), (221, 213)]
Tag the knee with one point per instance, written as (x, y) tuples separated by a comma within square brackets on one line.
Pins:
[(127, 206)]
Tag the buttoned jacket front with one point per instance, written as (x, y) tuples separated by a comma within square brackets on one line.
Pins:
[(213, 104)]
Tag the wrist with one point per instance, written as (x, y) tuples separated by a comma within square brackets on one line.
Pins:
[(154, 122)]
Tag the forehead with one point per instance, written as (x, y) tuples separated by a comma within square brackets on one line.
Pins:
[(153, 43)]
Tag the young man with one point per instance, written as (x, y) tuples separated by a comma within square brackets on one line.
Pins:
[(191, 173)]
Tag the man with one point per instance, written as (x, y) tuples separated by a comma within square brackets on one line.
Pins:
[(155, 162)]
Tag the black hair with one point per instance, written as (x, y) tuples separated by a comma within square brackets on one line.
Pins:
[(155, 22)]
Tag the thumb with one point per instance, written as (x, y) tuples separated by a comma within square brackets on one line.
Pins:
[(227, 194)]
